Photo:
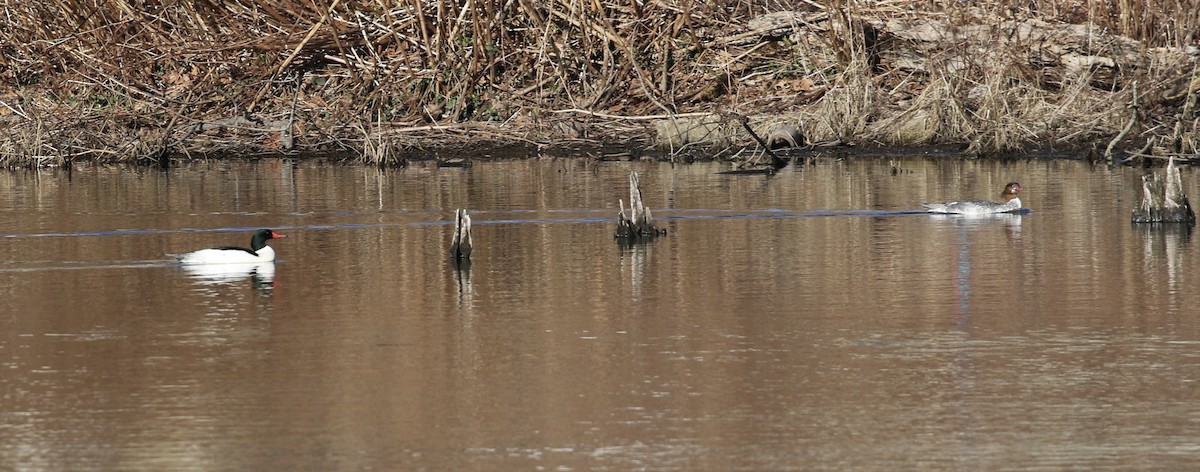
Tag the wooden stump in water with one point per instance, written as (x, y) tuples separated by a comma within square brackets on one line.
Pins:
[(636, 225), (1163, 200), (460, 245)]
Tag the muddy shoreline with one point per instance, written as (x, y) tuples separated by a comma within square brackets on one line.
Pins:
[(451, 154)]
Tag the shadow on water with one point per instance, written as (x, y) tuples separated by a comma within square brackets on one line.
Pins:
[(1167, 234), (1166, 244), (462, 280)]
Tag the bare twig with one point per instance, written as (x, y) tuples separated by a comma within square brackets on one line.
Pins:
[(1133, 119)]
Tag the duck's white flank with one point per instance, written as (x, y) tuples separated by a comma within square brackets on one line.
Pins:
[(1010, 204)]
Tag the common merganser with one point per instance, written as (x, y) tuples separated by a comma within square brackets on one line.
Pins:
[(259, 251), (981, 207)]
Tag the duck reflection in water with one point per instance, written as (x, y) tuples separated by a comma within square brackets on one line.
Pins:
[(261, 274), (982, 218), (1010, 221)]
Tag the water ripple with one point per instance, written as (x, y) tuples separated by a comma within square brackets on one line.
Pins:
[(664, 215)]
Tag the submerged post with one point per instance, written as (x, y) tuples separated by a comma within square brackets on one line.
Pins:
[(460, 244), (637, 224), (1163, 201)]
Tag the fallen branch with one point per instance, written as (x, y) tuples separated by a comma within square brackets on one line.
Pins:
[(776, 161), (1108, 152), (631, 118)]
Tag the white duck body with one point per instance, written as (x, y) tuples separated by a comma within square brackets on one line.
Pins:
[(981, 207), (974, 207), (258, 252)]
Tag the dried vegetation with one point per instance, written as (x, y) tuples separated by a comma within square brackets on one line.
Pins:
[(115, 80)]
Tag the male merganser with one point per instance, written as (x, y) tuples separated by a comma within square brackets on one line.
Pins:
[(981, 207), (259, 251)]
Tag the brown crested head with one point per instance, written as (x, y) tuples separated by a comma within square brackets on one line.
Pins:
[(1011, 190)]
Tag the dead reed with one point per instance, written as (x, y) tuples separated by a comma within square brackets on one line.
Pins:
[(118, 80)]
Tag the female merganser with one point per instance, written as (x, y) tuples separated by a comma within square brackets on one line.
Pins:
[(980, 207), (259, 252)]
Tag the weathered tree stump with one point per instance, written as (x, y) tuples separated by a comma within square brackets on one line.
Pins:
[(637, 225), (1163, 200), (460, 244)]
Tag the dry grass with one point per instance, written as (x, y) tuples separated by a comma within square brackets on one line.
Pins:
[(1002, 86), (127, 81)]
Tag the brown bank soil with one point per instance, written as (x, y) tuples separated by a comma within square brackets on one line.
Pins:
[(390, 80)]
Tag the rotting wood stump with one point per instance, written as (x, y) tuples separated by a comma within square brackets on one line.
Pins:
[(637, 225), (1163, 199), (460, 244)]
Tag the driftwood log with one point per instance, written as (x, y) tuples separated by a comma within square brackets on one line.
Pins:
[(638, 224), (460, 245), (455, 162), (1163, 200)]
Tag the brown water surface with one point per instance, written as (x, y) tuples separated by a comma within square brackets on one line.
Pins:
[(807, 321)]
